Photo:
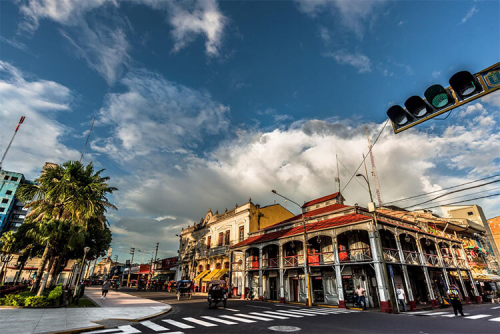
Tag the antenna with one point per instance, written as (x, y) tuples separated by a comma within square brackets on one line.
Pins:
[(87, 141), (337, 179), (12, 139), (374, 170)]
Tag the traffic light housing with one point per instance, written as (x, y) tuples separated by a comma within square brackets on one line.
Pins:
[(464, 88)]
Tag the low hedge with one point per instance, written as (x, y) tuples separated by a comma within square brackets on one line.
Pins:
[(36, 301), (30, 299)]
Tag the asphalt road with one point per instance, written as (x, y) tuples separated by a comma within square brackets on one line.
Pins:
[(193, 316)]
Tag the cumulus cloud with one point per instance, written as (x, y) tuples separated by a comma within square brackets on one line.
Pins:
[(40, 137), (155, 115), (165, 218), (357, 60)]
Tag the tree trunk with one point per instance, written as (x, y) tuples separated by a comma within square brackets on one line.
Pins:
[(41, 267), (49, 267), (52, 272)]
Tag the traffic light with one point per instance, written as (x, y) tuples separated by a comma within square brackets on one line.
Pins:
[(464, 88)]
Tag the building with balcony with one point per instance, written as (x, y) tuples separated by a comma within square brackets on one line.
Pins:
[(204, 247), (12, 211), (346, 247)]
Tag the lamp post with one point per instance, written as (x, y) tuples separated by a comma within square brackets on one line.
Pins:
[(5, 258), (306, 248), (85, 251), (377, 231), (132, 251)]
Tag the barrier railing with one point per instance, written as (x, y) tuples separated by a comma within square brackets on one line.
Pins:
[(362, 254), (412, 257), (392, 255)]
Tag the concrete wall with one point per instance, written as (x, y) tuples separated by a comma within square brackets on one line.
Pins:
[(267, 216)]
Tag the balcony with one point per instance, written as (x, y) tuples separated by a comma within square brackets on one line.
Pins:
[(431, 260), (237, 266), (319, 259), (448, 261), (270, 263), (220, 250), (392, 255), (412, 257), (362, 254), (461, 263), (252, 264), (291, 261)]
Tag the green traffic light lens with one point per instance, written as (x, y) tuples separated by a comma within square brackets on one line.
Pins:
[(440, 100), (437, 96)]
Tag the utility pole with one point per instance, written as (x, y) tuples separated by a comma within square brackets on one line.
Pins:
[(11, 140), (374, 170), (338, 172), (156, 254), (132, 251)]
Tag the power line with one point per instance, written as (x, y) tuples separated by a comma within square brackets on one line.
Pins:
[(369, 151), (452, 192), (467, 200), (361, 184), (474, 193), (436, 191)]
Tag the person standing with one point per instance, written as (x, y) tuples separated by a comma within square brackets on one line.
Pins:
[(401, 298), (361, 296), (455, 301), (105, 288)]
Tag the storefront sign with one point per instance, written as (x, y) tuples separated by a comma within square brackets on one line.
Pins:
[(168, 263)]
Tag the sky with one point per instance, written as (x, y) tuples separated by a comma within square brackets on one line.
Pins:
[(203, 104)]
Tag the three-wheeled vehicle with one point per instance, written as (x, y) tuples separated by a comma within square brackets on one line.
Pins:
[(217, 293), (184, 289)]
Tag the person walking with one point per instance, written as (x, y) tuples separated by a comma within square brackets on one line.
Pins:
[(455, 301), (361, 296), (105, 288), (401, 298)]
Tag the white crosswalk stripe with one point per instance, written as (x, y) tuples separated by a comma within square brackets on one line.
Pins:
[(231, 309), (129, 329), (494, 319), (297, 312), (478, 316), (270, 315), (222, 321), (435, 313), (285, 314), (254, 317), (452, 315), (177, 324), (103, 331), (238, 318), (153, 326), (200, 322)]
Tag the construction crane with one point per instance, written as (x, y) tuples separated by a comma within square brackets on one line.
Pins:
[(374, 170), (11, 140)]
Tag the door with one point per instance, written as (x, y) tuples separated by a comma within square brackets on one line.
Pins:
[(318, 292), (348, 285), (273, 291), (295, 284)]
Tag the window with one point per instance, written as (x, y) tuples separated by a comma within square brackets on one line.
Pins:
[(13, 178), (242, 232), (217, 266), (470, 213), (228, 237), (9, 192), (226, 265), (209, 241), (207, 267), (2, 209), (6, 177), (5, 200), (221, 237)]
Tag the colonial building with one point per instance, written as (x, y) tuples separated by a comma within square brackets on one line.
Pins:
[(204, 247), (349, 246)]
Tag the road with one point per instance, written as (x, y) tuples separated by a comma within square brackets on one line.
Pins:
[(193, 316)]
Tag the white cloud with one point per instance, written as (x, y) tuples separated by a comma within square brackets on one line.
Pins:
[(469, 14), (325, 35), (165, 218), (357, 60), (353, 14), (471, 109), (156, 115), (190, 19), (14, 43), (39, 138), (492, 99), (436, 74)]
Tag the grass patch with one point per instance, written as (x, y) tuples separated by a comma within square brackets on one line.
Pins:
[(84, 302)]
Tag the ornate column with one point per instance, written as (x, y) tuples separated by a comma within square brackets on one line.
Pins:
[(244, 280), (282, 283), (404, 268), (423, 260), (383, 289), (443, 264), (260, 274), (230, 283), (460, 278), (338, 273), (479, 299)]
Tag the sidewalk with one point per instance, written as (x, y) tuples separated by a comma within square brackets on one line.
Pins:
[(51, 320)]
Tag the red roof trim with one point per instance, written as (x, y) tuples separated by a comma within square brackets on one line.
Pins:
[(321, 199)]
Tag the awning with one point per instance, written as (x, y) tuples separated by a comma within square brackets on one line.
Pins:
[(220, 274), (200, 275), (209, 276), (486, 277)]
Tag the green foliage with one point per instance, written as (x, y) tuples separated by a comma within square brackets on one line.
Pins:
[(14, 300), (56, 293), (2, 301), (36, 301), (26, 294)]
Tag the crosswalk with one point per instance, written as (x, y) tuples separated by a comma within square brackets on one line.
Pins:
[(171, 326), (488, 317)]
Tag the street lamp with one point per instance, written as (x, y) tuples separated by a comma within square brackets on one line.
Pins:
[(306, 248), (85, 251)]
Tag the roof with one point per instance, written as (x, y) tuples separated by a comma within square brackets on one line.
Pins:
[(321, 199), (311, 213), (337, 221)]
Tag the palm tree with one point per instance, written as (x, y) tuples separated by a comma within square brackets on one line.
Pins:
[(72, 193)]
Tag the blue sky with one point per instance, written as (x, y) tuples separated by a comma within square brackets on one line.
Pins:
[(201, 103)]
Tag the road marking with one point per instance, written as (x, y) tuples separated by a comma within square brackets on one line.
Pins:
[(421, 312), (494, 319), (269, 308), (129, 329), (254, 317), (452, 315), (495, 308), (436, 313), (269, 315), (104, 331), (478, 316), (153, 326), (309, 312), (238, 319), (177, 324), (222, 321), (288, 315), (231, 309), (200, 322), (298, 312)]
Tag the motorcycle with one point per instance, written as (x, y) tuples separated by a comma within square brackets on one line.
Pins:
[(250, 295)]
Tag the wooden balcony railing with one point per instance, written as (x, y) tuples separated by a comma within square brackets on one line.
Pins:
[(252, 264), (318, 259), (270, 263), (412, 257), (392, 255), (362, 254), (291, 261), (448, 261), (432, 260)]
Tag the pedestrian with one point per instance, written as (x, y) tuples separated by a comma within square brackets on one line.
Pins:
[(455, 301), (361, 296), (105, 288), (401, 298)]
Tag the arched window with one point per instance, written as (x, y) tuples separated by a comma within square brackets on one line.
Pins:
[(207, 267), (217, 266)]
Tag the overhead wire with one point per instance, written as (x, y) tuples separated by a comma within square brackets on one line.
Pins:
[(467, 200), (361, 184), (474, 193)]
